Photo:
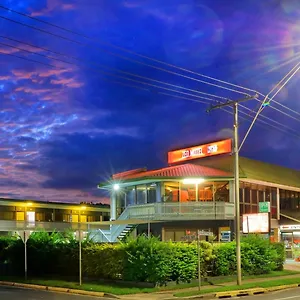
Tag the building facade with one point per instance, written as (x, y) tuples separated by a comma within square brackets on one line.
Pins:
[(22, 214), (197, 193)]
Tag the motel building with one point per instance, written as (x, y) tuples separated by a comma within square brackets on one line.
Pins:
[(196, 192), (27, 215)]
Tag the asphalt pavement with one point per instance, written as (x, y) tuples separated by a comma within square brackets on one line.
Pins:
[(291, 294), (9, 293)]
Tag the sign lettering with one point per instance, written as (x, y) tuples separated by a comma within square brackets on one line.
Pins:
[(221, 147)]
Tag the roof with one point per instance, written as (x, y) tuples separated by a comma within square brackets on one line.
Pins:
[(255, 170), (47, 204), (184, 170)]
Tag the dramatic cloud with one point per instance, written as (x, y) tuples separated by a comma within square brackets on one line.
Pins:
[(73, 115)]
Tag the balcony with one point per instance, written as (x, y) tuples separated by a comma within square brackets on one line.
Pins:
[(182, 211), (47, 226)]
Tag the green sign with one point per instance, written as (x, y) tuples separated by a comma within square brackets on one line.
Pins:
[(264, 207)]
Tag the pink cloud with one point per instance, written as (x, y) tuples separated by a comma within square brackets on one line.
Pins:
[(5, 77), (32, 90), (22, 74), (69, 82), (51, 6)]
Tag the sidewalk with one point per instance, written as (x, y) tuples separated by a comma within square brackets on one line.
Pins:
[(169, 294)]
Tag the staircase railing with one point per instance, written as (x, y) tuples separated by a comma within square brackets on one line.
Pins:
[(116, 230)]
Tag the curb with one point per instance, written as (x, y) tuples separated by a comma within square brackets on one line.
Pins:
[(240, 293), (56, 289)]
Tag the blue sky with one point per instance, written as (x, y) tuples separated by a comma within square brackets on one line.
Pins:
[(88, 107)]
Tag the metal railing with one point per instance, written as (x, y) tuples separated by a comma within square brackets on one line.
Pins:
[(45, 226), (182, 211), (116, 230)]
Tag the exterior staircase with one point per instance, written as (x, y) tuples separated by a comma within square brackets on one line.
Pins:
[(126, 232)]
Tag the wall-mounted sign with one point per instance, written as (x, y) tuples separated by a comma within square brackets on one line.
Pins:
[(289, 227), (264, 207), (216, 148), (256, 223)]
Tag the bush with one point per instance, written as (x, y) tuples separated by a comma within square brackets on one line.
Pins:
[(280, 255), (225, 259), (147, 260), (103, 261), (258, 256), (141, 260)]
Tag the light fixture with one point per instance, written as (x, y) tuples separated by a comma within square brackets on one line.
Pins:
[(29, 203), (193, 180), (116, 187), (83, 207)]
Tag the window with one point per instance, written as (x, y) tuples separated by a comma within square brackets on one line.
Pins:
[(171, 193), (40, 216), (141, 194), (247, 209), (151, 193), (247, 194), (130, 195), (83, 218), (205, 193), (254, 196), (222, 191), (20, 216), (30, 216), (91, 219)]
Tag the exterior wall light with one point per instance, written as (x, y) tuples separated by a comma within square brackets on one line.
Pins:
[(193, 180), (116, 187)]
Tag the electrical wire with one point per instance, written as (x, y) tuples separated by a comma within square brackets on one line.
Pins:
[(132, 52), (114, 69), (290, 75), (194, 100), (106, 73), (120, 48), (123, 57), (100, 65)]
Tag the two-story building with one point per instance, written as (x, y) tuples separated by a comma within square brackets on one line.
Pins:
[(196, 192), (50, 216)]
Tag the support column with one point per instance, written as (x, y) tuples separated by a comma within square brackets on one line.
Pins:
[(158, 192), (278, 203), (276, 235), (231, 192), (113, 206)]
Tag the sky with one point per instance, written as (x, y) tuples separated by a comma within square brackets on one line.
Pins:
[(111, 85)]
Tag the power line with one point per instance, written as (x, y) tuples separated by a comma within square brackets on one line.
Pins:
[(129, 79), (128, 73), (264, 102), (194, 100), (122, 56), (100, 65), (132, 52), (121, 48)]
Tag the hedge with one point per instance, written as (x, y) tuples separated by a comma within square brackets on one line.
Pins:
[(139, 260)]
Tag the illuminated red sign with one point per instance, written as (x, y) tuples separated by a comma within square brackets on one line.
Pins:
[(220, 147)]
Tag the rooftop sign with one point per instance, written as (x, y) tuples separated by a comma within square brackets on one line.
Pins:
[(216, 148)]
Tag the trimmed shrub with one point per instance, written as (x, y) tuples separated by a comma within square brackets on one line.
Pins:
[(147, 260), (140, 260), (280, 255), (103, 261)]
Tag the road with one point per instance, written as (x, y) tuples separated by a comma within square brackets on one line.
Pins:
[(292, 294), (8, 293)]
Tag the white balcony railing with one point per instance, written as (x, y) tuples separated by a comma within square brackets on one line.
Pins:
[(45, 226), (182, 211)]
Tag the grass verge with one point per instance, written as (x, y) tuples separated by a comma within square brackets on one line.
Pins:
[(121, 289), (265, 284)]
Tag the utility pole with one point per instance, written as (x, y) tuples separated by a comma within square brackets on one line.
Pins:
[(234, 104)]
